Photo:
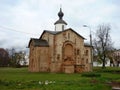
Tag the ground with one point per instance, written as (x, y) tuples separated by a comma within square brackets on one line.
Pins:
[(21, 79)]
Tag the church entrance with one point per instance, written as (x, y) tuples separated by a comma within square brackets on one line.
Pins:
[(68, 62)]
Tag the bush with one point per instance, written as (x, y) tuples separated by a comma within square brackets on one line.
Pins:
[(107, 70), (91, 74)]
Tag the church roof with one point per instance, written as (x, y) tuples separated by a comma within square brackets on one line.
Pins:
[(38, 42), (75, 32), (87, 45), (60, 21), (58, 32)]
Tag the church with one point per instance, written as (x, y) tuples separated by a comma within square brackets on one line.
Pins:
[(61, 50)]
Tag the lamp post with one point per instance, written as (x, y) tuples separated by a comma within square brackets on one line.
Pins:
[(90, 43)]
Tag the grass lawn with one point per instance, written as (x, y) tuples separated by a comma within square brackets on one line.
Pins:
[(21, 79)]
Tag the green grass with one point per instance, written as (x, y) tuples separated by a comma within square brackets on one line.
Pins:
[(21, 79)]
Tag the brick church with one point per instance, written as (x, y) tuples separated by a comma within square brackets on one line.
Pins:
[(60, 50)]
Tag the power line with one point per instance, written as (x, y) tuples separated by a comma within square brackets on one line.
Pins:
[(10, 29)]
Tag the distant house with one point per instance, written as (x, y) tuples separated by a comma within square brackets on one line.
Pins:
[(4, 58), (113, 60), (60, 50), (116, 56), (25, 61)]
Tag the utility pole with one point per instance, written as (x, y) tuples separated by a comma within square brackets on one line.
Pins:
[(91, 51)]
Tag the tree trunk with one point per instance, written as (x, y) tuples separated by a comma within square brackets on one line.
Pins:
[(104, 60), (117, 63), (110, 64), (103, 66)]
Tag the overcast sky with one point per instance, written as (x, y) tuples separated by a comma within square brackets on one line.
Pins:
[(21, 20)]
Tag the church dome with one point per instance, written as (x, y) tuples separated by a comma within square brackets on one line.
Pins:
[(60, 14)]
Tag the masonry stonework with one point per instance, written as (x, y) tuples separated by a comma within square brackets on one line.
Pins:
[(59, 51)]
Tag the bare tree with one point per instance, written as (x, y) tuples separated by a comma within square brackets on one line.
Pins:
[(102, 43)]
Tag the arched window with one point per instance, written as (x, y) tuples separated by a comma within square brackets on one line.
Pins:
[(86, 53), (86, 60), (75, 40), (68, 35), (78, 51)]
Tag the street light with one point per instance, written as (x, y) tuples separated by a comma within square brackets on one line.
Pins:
[(90, 43), (90, 33)]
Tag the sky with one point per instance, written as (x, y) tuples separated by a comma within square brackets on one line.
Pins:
[(21, 20)]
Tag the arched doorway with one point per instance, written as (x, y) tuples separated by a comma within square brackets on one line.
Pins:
[(68, 58)]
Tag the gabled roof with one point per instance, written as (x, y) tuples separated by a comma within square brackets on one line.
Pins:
[(58, 32), (74, 32), (38, 42)]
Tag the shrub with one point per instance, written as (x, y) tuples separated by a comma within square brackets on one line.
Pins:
[(107, 70), (91, 74)]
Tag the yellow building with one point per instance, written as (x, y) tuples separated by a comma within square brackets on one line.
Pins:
[(61, 50)]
